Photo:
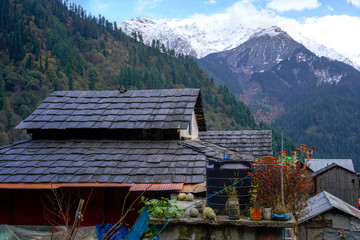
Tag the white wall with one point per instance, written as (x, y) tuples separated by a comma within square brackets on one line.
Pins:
[(194, 129)]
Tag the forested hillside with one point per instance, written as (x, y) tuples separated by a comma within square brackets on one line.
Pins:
[(314, 99), (49, 45)]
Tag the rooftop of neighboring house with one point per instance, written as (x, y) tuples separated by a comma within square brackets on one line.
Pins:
[(317, 164), (324, 202), (329, 167), (257, 143)]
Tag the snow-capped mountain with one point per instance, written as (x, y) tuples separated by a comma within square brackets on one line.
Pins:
[(200, 38), (271, 72), (188, 37)]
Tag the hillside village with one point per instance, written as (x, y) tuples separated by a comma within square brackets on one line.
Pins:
[(109, 147), (104, 137)]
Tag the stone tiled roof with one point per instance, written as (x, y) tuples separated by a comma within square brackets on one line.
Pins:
[(133, 109), (106, 161), (257, 143)]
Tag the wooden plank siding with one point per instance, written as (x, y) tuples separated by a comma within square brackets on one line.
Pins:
[(29, 206), (341, 183)]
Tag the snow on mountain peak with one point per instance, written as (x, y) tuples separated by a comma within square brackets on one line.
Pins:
[(189, 37), (273, 31), (200, 38)]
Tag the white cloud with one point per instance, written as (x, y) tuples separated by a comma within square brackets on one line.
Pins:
[(330, 8), (339, 32), (356, 3), (143, 5), (336, 31), (210, 2), (298, 5)]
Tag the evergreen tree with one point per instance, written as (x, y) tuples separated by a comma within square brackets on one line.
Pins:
[(2, 92), (92, 80)]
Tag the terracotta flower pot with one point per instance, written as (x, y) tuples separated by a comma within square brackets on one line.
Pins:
[(255, 214)]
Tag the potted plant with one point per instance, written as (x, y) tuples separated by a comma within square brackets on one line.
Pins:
[(297, 180), (232, 204), (255, 201), (281, 213)]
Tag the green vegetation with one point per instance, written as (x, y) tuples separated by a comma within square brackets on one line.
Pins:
[(162, 208), (295, 96), (326, 116), (47, 45)]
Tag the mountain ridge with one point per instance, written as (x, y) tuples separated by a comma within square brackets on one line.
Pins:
[(314, 99), (197, 39)]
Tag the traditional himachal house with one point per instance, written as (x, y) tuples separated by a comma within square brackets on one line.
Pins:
[(329, 217), (338, 181), (256, 143), (105, 143), (102, 145)]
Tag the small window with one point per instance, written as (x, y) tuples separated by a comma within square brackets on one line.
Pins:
[(353, 180), (190, 128)]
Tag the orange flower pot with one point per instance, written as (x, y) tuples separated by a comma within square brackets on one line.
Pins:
[(255, 214)]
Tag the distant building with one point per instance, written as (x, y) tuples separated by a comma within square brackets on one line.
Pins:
[(329, 217), (339, 181)]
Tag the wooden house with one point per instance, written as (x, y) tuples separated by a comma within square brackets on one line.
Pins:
[(338, 181), (102, 146), (329, 217)]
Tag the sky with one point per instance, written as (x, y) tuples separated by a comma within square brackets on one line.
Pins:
[(334, 23)]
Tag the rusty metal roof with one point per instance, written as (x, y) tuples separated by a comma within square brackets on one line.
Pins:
[(157, 187)]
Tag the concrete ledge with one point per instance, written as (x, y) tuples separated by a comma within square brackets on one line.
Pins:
[(223, 220)]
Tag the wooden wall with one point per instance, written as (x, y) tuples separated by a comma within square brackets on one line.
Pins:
[(29, 206), (341, 183)]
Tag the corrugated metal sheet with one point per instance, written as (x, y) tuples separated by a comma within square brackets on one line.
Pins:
[(317, 164), (323, 202), (343, 206), (157, 187)]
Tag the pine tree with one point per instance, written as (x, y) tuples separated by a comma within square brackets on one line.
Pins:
[(92, 81), (2, 92), (71, 82)]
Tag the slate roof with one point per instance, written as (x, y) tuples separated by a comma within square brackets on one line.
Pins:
[(324, 202), (317, 164), (106, 161), (134, 109), (257, 143)]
